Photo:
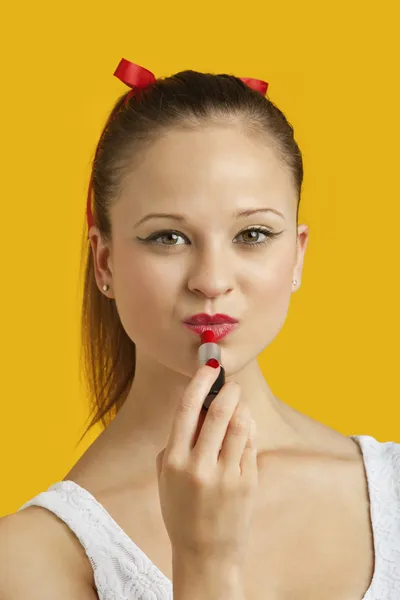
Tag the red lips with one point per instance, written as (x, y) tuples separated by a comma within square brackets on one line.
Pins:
[(204, 319)]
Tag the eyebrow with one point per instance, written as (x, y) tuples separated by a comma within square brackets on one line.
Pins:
[(241, 213)]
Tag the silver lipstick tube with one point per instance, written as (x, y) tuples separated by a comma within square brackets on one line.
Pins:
[(207, 351)]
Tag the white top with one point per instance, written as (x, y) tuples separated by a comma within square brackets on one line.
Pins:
[(122, 571)]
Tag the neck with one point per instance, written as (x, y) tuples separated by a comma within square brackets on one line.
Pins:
[(124, 455), (143, 424)]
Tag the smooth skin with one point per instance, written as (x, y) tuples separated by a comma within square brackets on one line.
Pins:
[(211, 263)]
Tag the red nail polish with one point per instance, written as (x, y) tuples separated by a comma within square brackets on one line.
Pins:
[(213, 363)]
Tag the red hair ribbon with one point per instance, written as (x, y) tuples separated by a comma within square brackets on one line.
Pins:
[(137, 77), (256, 84)]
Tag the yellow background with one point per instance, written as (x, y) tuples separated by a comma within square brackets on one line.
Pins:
[(332, 69)]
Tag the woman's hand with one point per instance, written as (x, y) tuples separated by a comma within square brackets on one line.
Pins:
[(206, 494)]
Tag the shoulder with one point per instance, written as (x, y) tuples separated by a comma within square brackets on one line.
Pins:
[(38, 549)]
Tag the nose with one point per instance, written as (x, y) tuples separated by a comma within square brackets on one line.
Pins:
[(211, 274)]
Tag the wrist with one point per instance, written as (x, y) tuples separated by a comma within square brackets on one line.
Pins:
[(201, 579)]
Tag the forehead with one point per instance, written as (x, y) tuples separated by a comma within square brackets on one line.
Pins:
[(218, 163)]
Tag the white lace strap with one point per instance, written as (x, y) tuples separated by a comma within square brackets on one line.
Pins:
[(382, 465), (122, 571)]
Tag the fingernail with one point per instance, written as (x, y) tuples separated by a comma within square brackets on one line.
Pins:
[(213, 363)]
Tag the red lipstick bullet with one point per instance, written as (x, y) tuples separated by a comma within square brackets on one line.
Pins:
[(209, 349)]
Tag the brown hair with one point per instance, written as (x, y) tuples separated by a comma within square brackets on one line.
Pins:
[(188, 99)]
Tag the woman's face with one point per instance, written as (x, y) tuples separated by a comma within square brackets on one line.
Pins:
[(208, 259)]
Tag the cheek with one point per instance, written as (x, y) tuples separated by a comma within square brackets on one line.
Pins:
[(269, 278), (277, 279), (268, 289), (145, 292)]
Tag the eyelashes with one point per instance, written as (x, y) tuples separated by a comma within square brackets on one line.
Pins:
[(269, 236)]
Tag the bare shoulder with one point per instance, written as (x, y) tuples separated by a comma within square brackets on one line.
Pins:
[(40, 557)]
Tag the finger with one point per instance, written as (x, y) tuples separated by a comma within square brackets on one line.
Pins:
[(202, 416), (159, 462), (186, 418), (248, 463), (237, 436), (216, 423)]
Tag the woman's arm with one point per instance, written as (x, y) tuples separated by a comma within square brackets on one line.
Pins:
[(196, 580), (34, 565)]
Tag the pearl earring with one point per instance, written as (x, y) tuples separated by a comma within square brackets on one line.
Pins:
[(294, 281)]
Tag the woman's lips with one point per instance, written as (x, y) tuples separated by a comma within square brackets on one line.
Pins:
[(220, 330)]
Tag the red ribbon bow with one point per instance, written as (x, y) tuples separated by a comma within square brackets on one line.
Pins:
[(138, 77)]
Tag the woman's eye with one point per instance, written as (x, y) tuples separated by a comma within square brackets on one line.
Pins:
[(255, 237), (170, 237), (169, 234)]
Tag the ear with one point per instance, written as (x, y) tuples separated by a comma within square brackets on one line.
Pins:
[(302, 241), (101, 259)]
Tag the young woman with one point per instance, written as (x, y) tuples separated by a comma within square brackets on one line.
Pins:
[(197, 182)]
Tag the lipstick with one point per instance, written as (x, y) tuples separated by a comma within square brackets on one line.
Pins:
[(209, 349)]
